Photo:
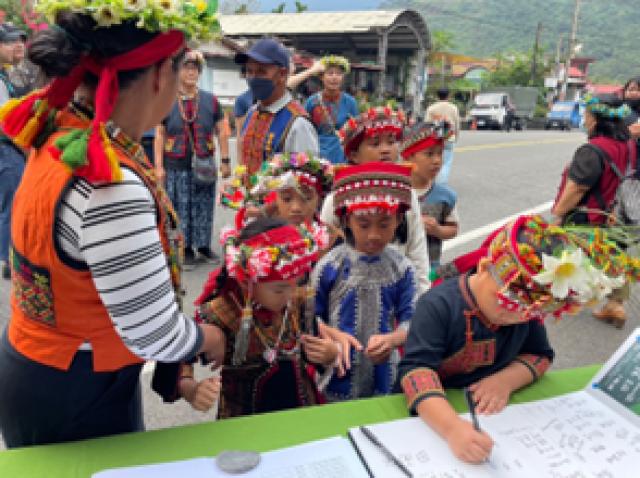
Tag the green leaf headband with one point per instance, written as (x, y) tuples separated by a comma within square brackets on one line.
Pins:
[(335, 60), (596, 106), (195, 18)]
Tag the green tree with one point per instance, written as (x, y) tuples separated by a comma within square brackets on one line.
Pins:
[(442, 40), (12, 10), (280, 8), (242, 10), (514, 69), (301, 7)]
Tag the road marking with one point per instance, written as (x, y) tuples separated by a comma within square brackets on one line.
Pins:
[(513, 144), (489, 228)]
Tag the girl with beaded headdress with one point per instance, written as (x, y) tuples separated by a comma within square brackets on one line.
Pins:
[(96, 278), (484, 329), (330, 108), (255, 301), (589, 183), (363, 287)]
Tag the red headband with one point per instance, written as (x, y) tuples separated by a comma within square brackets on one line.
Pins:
[(18, 121), (421, 146)]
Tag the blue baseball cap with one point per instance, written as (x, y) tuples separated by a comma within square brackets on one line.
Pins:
[(267, 51)]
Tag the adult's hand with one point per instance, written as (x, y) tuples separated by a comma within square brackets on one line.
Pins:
[(161, 174), (634, 129)]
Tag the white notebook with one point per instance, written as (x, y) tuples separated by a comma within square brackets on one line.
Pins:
[(591, 433), (330, 458)]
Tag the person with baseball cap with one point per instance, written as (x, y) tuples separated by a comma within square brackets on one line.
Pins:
[(276, 123)]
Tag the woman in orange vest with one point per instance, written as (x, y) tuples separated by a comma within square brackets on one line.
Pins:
[(96, 246)]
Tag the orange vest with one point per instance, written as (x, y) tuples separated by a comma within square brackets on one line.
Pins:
[(55, 307)]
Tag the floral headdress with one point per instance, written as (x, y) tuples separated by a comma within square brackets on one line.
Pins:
[(576, 269), (373, 122), (372, 187), (336, 60), (425, 135), (295, 169), (89, 152), (601, 108), (282, 253)]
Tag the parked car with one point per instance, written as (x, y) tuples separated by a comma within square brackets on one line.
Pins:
[(504, 108), (564, 115)]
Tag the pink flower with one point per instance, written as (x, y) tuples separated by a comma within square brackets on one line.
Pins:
[(226, 234), (259, 263), (321, 236)]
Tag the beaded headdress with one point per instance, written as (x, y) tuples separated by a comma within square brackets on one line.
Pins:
[(599, 107), (545, 270), (372, 187), (336, 60), (425, 135), (373, 122), (89, 152)]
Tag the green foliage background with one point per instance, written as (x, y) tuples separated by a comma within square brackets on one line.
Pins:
[(609, 30)]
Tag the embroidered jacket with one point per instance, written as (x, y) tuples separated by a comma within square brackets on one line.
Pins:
[(364, 295), (450, 345), (255, 386)]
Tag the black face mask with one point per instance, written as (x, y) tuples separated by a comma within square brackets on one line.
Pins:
[(634, 104)]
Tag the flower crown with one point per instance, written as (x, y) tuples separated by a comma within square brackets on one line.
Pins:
[(580, 268), (425, 135), (294, 169), (234, 193), (282, 253), (195, 18), (596, 106), (336, 60), (375, 121)]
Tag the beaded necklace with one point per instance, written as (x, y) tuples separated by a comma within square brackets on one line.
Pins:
[(183, 114)]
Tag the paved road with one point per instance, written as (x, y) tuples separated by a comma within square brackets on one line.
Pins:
[(496, 175)]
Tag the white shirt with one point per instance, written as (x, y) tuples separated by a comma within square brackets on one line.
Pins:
[(415, 249)]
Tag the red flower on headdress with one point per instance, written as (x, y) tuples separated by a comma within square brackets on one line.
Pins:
[(259, 263)]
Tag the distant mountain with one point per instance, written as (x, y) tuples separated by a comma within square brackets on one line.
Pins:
[(322, 5), (608, 29)]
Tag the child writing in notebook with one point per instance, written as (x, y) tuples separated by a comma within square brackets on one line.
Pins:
[(484, 329), (365, 288), (423, 148), (253, 299)]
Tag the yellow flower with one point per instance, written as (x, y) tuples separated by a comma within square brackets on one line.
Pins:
[(240, 170), (236, 183), (201, 6), (106, 16)]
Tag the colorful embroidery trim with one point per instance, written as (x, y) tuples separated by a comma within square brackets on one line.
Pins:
[(537, 364), (32, 289), (421, 383), (470, 357)]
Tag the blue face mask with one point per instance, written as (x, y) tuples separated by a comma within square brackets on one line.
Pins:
[(262, 88)]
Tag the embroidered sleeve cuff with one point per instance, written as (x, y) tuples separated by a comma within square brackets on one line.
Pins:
[(419, 384), (537, 364)]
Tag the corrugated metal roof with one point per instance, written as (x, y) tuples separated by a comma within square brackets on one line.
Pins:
[(307, 22)]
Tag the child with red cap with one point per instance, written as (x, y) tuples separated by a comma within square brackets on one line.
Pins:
[(424, 148)]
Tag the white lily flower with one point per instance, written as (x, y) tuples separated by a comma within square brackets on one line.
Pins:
[(565, 274)]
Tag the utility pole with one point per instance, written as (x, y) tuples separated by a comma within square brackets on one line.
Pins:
[(572, 47), (536, 46)]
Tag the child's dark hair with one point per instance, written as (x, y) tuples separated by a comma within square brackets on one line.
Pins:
[(253, 229), (401, 235)]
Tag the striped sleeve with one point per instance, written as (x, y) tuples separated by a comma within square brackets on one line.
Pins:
[(119, 241)]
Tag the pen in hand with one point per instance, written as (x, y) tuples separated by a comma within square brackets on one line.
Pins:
[(472, 409)]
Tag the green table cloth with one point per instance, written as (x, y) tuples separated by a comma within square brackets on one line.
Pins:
[(260, 432)]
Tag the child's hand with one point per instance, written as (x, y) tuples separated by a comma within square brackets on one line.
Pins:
[(346, 343), (319, 350), (468, 444), (379, 348), (491, 395), (202, 395), (431, 226)]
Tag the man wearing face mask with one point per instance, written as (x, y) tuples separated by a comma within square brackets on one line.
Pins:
[(276, 123)]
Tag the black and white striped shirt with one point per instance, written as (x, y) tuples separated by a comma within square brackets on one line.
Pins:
[(112, 230)]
